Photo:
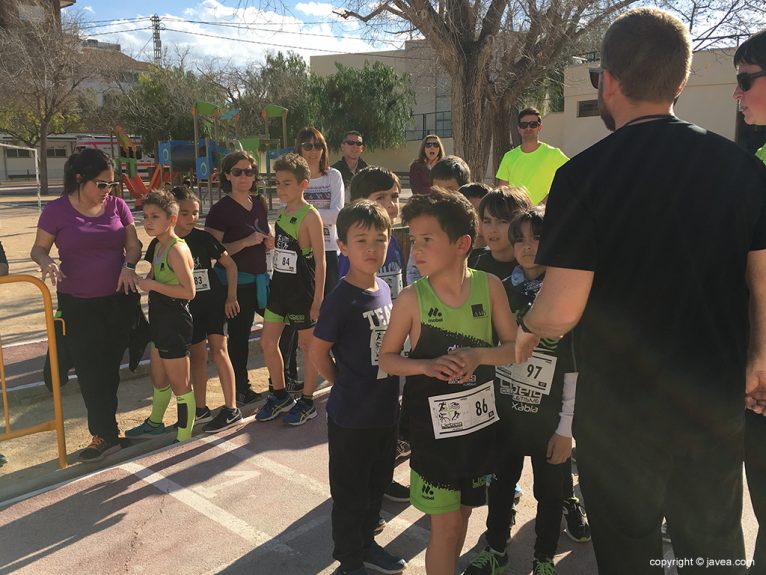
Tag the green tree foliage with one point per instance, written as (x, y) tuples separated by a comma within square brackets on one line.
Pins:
[(160, 106), (374, 100)]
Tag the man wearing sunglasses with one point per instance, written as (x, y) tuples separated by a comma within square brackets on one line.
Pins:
[(750, 93), (351, 147), (655, 242), (534, 163)]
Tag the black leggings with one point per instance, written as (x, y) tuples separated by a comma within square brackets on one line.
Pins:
[(239, 328), (97, 333)]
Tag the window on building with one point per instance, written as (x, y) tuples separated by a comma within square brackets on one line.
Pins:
[(14, 153), (587, 108), (56, 152)]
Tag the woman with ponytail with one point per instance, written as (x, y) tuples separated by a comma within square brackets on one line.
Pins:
[(95, 280)]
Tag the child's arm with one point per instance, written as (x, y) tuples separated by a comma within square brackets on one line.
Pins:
[(502, 320), (316, 241), (404, 322), (181, 262), (238, 245), (230, 266), (319, 352), (560, 443)]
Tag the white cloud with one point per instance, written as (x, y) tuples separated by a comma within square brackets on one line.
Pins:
[(316, 9), (242, 36), (88, 9)]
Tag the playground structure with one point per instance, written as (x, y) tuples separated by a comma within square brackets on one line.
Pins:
[(216, 133)]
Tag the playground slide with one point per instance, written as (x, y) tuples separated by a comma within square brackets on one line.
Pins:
[(136, 187)]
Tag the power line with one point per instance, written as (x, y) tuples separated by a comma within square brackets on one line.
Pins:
[(271, 44)]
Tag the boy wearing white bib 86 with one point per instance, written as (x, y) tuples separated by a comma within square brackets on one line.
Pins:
[(449, 316)]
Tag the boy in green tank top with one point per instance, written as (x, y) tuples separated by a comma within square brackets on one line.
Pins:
[(296, 290), (449, 316), (170, 285)]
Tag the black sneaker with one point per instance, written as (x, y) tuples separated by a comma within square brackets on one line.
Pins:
[(248, 397), (380, 526), (203, 415), (381, 560), (577, 523), (359, 571), (99, 448), (293, 386), (225, 419), (3, 461), (397, 492)]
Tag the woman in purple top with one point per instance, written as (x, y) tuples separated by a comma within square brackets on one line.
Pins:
[(239, 222), (96, 284), (431, 151)]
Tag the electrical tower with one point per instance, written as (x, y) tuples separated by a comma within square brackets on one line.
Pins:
[(157, 41)]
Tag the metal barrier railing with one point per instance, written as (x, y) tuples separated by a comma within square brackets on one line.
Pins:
[(57, 423)]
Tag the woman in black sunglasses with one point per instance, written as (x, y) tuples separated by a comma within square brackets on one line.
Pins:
[(431, 151), (95, 283), (239, 221), (750, 93)]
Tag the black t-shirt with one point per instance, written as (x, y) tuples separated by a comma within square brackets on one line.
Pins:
[(204, 249), (487, 263), (664, 213), (346, 172)]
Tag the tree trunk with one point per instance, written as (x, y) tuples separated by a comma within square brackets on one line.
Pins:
[(43, 158), (471, 117), (502, 128)]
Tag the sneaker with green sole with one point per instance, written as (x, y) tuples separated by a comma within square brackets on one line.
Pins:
[(488, 562)]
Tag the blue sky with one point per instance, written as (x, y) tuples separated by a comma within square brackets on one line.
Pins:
[(211, 31)]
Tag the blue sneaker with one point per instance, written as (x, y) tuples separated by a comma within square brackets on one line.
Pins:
[(273, 407), (146, 429), (300, 413), (378, 559)]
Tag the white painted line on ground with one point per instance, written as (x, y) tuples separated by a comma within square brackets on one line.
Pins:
[(317, 487), (213, 512)]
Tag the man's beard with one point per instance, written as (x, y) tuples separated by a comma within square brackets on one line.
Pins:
[(606, 115)]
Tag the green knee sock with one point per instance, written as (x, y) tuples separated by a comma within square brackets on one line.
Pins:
[(160, 401), (187, 408)]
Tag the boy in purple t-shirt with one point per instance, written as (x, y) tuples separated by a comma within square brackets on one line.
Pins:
[(364, 401)]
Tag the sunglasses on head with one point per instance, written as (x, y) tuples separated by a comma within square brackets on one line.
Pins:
[(308, 146), (353, 143), (104, 185), (237, 172), (745, 80), (432, 144), (532, 124)]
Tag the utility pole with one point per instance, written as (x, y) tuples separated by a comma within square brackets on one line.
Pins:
[(157, 41)]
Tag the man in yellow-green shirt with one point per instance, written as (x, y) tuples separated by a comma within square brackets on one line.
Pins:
[(534, 163)]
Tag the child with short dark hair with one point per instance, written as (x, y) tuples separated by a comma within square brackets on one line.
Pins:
[(297, 288), (382, 186), (535, 402), (450, 316), (450, 173), (496, 212), (170, 285), (210, 308), (364, 401), (474, 192)]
